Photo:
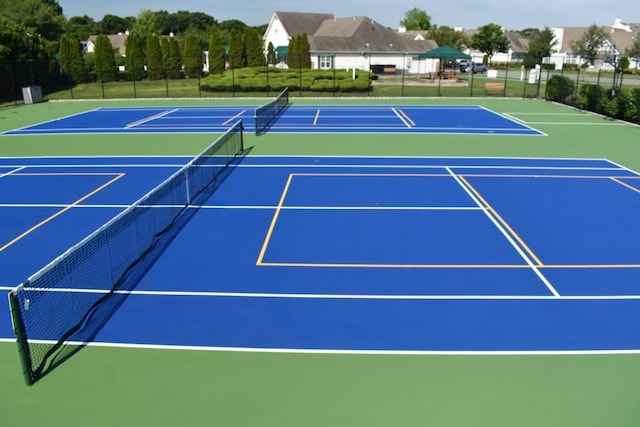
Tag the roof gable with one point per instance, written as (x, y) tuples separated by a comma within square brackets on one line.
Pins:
[(362, 34), (302, 23)]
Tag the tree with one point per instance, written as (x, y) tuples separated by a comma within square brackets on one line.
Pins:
[(71, 60), (216, 53), (303, 47), (78, 69), (236, 51), (145, 25), (448, 36), (134, 61), (80, 27), (271, 55), (12, 40), (43, 17), (416, 19), (173, 64), (232, 25), (588, 45), (489, 40), (293, 56), (111, 24), (192, 56), (253, 48), (178, 23), (155, 64), (634, 51), (65, 54), (105, 61), (541, 44)]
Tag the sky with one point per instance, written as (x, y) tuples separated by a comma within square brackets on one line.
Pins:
[(468, 14)]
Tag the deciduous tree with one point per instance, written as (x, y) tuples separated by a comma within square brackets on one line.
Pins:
[(416, 19), (490, 39)]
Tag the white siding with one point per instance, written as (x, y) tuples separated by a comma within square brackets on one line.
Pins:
[(276, 34)]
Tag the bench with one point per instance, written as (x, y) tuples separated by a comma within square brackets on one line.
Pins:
[(494, 88)]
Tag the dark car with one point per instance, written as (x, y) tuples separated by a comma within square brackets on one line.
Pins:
[(477, 67)]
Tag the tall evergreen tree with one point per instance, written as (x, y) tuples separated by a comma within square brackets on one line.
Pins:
[(216, 53), (192, 56), (134, 61), (164, 47), (105, 60), (65, 54), (154, 58), (236, 51), (304, 51), (293, 56), (78, 69), (174, 60), (253, 47), (271, 54)]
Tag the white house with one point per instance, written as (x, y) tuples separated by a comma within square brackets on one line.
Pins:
[(347, 43), (619, 37)]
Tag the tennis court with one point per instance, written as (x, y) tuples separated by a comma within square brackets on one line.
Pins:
[(379, 279), (454, 119)]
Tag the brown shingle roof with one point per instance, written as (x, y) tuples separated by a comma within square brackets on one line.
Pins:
[(298, 23), (361, 34)]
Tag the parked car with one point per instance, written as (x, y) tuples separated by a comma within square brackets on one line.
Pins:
[(476, 67)]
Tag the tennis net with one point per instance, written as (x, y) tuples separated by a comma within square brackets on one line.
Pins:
[(266, 114), (69, 300)]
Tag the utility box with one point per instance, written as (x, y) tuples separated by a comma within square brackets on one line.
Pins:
[(32, 94)]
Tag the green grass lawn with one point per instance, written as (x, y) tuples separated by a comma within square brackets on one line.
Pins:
[(102, 386)]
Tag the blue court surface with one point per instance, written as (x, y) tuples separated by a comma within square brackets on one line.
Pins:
[(475, 120), (356, 254)]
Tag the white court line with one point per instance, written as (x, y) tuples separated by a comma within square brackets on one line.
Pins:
[(16, 170), (150, 118), (285, 295), (345, 352), (407, 124), (506, 235)]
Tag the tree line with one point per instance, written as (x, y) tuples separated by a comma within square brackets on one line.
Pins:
[(490, 39)]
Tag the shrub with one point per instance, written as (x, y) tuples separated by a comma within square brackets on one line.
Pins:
[(589, 97), (559, 88), (608, 105)]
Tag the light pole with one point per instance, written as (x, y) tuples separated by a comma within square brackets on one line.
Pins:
[(615, 69), (367, 47), (29, 60)]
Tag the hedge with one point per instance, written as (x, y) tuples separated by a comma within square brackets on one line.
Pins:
[(260, 79)]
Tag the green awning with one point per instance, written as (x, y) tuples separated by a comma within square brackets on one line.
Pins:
[(281, 52), (444, 52)]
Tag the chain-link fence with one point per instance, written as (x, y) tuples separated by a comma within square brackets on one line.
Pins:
[(330, 75)]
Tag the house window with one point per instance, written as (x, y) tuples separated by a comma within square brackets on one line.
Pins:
[(325, 62)]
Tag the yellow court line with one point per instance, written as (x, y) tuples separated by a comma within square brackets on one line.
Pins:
[(446, 175), (364, 265), (234, 117), (443, 266), (315, 120), (61, 211), (533, 175), (265, 244), (502, 221)]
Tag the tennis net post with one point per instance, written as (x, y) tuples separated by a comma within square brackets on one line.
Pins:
[(70, 299)]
